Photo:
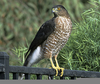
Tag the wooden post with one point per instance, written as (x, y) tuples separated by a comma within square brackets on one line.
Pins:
[(39, 77), (4, 60)]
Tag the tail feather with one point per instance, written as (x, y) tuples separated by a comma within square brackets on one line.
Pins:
[(31, 59), (21, 76)]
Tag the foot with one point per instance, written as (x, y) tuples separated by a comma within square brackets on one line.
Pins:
[(62, 71), (57, 67)]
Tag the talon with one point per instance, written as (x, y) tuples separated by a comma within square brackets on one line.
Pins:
[(62, 71), (59, 69)]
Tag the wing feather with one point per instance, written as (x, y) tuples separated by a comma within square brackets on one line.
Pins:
[(45, 30)]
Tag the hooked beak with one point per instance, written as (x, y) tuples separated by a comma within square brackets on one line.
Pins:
[(54, 10)]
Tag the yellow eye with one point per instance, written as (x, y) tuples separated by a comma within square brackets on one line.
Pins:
[(58, 8)]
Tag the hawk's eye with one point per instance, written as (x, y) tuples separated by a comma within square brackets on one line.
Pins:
[(59, 8)]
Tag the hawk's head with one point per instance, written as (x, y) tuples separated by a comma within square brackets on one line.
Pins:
[(59, 10)]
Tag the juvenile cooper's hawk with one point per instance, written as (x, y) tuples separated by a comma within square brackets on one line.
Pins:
[(50, 39)]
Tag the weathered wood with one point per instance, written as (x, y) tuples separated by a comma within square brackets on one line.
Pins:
[(45, 71), (15, 76), (27, 76), (4, 60), (30, 70), (5, 69), (83, 74), (2, 68), (39, 77)]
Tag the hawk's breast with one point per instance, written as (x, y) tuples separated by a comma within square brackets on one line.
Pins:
[(56, 41)]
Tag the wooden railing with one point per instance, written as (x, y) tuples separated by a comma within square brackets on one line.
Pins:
[(5, 69)]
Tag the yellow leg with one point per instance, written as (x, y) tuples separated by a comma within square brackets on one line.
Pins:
[(52, 64), (59, 68)]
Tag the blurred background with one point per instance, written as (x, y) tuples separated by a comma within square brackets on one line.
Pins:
[(21, 19)]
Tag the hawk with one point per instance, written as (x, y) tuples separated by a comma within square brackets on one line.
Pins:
[(50, 39)]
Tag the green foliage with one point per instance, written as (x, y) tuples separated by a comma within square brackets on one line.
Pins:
[(82, 52), (21, 19), (20, 52)]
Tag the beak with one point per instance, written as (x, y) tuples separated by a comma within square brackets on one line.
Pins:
[(54, 10)]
